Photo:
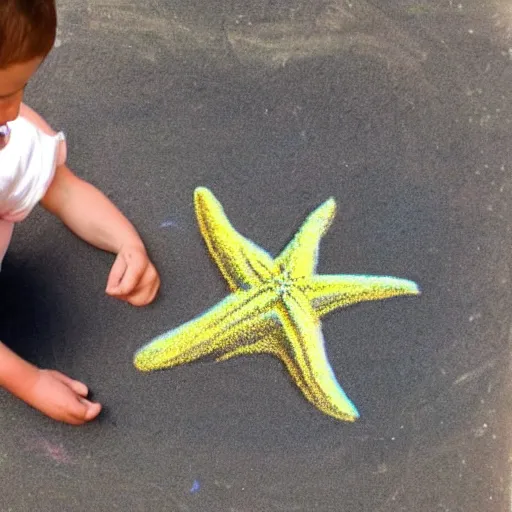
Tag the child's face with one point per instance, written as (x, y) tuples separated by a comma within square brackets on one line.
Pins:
[(13, 80)]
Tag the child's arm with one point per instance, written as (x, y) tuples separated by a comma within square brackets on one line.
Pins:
[(49, 391), (93, 217)]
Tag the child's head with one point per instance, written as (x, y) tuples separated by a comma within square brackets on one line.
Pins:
[(27, 34)]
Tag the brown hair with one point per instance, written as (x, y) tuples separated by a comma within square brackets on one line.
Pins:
[(27, 30)]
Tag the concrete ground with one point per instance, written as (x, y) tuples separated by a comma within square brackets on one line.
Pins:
[(399, 109)]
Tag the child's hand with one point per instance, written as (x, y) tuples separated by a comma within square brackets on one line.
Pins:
[(133, 277), (61, 398)]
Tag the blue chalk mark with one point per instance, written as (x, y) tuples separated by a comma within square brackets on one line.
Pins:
[(168, 224), (195, 487)]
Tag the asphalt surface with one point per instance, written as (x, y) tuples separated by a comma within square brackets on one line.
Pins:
[(402, 112)]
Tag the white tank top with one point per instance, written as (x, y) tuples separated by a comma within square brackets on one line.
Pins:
[(27, 167)]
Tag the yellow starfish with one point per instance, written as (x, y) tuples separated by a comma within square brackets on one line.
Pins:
[(275, 306)]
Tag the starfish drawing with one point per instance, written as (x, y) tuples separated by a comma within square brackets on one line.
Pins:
[(274, 307)]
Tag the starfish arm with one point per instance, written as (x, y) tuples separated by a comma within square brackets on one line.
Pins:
[(302, 351), (272, 344), (329, 292), (237, 320), (242, 263), (262, 346), (300, 256)]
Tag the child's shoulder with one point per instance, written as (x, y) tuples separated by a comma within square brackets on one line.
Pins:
[(32, 117), (27, 164), (33, 121)]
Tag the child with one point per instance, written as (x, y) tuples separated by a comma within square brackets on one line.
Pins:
[(33, 169)]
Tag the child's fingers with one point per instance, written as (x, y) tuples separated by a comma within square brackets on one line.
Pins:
[(144, 295), (116, 275), (130, 279), (151, 293), (81, 410), (92, 409), (78, 387), (154, 283), (145, 290)]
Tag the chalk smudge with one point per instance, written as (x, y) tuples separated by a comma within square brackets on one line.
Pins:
[(55, 452)]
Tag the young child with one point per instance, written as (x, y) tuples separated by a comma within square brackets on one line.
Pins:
[(32, 170)]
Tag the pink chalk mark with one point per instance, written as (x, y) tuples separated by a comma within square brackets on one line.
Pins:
[(56, 452)]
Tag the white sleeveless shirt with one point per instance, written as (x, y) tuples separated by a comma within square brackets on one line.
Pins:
[(27, 167)]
